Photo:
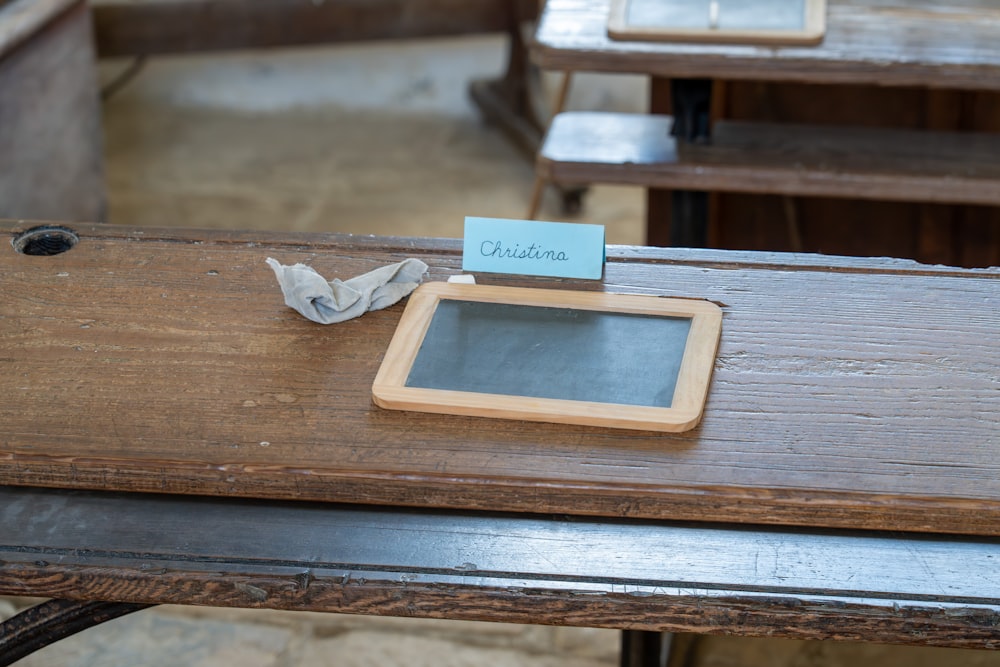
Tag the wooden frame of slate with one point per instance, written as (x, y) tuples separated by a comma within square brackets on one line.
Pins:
[(570, 357), (761, 22)]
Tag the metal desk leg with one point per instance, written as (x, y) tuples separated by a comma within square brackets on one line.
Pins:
[(46, 623), (689, 219), (692, 102), (657, 649), (642, 648), (689, 100)]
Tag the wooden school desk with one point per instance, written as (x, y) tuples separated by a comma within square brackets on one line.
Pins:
[(921, 43), (171, 432)]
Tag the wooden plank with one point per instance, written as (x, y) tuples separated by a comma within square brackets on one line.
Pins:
[(852, 393), (529, 569), (916, 43), (51, 164), (146, 27), (930, 233), (789, 159)]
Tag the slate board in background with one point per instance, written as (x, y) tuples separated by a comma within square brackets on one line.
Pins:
[(763, 22), (733, 14)]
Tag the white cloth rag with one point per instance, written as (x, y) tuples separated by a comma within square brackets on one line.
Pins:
[(329, 302)]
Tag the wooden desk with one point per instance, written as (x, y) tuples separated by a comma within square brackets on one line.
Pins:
[(912, 43), (847, 393), (918, 43), (573, 571)]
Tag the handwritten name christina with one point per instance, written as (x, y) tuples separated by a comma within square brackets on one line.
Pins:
[(533, 251)]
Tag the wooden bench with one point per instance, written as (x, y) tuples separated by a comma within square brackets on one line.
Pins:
[(773, 158), (486, 566)]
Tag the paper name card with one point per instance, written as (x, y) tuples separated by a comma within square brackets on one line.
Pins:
[(528, 247)]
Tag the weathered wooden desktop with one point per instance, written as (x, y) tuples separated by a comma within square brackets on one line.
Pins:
[(171, 432)]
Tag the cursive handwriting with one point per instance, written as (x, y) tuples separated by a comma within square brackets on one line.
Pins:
[(534, 251)]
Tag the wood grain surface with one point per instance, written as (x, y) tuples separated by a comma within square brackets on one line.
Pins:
[(917, 42), (847, 392), (789, 159), (512, 568)]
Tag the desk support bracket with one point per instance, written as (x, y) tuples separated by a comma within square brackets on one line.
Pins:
[(692, 102), (46, 623), (689, 101)]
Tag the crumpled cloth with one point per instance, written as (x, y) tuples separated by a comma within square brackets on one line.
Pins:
[(329, 302)]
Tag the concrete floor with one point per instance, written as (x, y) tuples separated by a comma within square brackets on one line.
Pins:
[(371, 139)]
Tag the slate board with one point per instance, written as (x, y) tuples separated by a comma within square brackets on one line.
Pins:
[(765, 22)]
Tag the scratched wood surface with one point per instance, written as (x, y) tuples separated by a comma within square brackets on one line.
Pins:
[(852, 393), (883, 42), (663, 576)]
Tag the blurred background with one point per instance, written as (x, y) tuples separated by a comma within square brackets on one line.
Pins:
[(372, 138)]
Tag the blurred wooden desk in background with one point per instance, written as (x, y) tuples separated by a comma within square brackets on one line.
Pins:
[(51, 147), (921, 68)]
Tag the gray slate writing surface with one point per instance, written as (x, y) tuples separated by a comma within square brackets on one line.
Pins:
[(545, 352), (732, 14)]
